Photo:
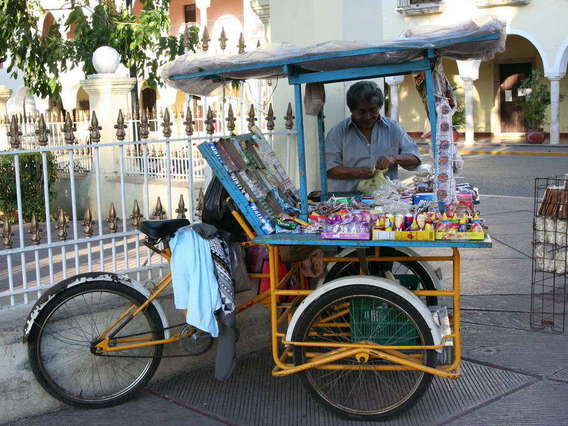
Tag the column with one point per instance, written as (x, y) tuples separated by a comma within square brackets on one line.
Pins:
[(5, 94), (203, 5), (108, 95), (262, 10), (555, 106), (469, 72), (469, 127), (394, 82)]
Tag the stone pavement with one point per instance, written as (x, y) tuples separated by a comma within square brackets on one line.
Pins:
[(511, 374)]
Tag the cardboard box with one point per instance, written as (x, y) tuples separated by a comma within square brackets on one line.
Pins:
[(456, 235), (345, 235), (403, 235)]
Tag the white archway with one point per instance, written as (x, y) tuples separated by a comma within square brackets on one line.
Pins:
[(561, 62), (538, 46)]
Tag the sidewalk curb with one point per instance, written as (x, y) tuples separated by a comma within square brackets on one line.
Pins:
[(517, 153)]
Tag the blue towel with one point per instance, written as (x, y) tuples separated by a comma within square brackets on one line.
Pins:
[(195, 285)]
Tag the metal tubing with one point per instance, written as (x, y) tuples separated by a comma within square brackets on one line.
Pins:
[(301, 152), (323, 163), (432, 108), (20, 224)]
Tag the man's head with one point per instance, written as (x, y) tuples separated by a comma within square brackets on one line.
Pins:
[(364, 100)]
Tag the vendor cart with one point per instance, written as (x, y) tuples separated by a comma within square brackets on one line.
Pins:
[(366, 346)]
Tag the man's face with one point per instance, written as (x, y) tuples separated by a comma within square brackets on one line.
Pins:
[(365, 114)]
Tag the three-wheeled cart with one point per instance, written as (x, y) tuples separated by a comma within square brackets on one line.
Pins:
[(366, 345)]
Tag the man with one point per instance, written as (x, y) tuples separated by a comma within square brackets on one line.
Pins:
[(366, 141)]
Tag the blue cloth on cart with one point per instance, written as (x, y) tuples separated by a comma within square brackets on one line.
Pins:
[(193, 275)]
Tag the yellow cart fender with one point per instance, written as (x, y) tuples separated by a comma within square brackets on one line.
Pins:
[(84, 279), (384, 283)]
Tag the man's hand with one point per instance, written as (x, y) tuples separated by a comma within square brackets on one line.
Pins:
[(364, 173), (385, 162)]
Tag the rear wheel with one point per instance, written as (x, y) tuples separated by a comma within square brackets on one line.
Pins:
[(61, 345), (411, 274), (359, 388)]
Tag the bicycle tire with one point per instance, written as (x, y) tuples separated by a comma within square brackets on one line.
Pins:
[(344, 269), (371, 400), (69, 370)]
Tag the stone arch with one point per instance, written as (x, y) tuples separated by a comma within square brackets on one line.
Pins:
[(561, 62), (538, 46)]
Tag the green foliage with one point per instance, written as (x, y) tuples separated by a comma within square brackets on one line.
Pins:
[(31, 180), (458, 119), (142, 41), (536, 102)]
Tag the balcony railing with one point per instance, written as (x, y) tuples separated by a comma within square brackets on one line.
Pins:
[(419, 7), (493, 3)]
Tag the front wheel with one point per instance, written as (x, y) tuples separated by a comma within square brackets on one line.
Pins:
[(355, 387), (61, 345)]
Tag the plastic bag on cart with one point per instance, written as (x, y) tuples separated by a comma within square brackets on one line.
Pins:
[(216, 211)]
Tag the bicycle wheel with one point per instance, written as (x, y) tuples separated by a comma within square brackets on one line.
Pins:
[(60, 345), (411, 274), (363, 313)]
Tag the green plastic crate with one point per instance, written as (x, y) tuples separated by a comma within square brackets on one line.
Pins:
[(369, 318)]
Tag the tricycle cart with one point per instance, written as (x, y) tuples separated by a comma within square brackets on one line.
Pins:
[(366, 345)]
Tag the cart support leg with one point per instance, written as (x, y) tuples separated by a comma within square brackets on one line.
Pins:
[(457, 307), (274, 263)]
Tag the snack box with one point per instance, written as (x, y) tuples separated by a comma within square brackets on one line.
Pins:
[(345, 235), (403, 235), (424, 196), (456, 235)]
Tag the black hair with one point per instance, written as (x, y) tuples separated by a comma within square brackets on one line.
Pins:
[(364, 91)]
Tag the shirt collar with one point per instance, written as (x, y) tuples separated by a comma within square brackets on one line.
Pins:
[(381, 122)]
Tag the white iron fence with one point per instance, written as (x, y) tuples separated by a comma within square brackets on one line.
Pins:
[(76, 205)]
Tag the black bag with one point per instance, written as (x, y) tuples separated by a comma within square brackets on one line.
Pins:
[(216, 211)]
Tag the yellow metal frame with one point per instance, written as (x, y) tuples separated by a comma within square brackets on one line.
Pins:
[(281, 313)]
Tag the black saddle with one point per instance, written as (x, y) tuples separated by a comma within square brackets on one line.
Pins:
[(162, 228)]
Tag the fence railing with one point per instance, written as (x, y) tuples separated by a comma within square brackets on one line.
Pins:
[(90, 222)]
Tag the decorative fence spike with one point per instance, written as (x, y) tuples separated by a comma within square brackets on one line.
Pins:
[(186, 38), (241, 44), (159, 210), (231, 119), (41, 132), (199, 203), (136, 215), (88, 223), (7, 233), (14, 134), (258, 44), (153, 151), (223, 39), (289, 118), (210, 122), (35, 230), (144, 130), (94, 129), (205, 39), (188, 123), (111, 219), (270, 118), (61, 225), (251, 117), (181, 208), (120, 126), (69, 129), (167, 124)]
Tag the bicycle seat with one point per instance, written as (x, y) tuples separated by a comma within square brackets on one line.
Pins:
[(162, 228)]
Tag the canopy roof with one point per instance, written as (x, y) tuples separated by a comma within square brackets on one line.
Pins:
[(474, 39)]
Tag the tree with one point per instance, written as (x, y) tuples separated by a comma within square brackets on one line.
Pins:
[(142, 41)]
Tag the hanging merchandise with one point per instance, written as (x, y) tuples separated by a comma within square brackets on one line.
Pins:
[(445, 183)]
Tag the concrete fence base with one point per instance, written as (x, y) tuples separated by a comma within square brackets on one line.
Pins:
[(22, 396)]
